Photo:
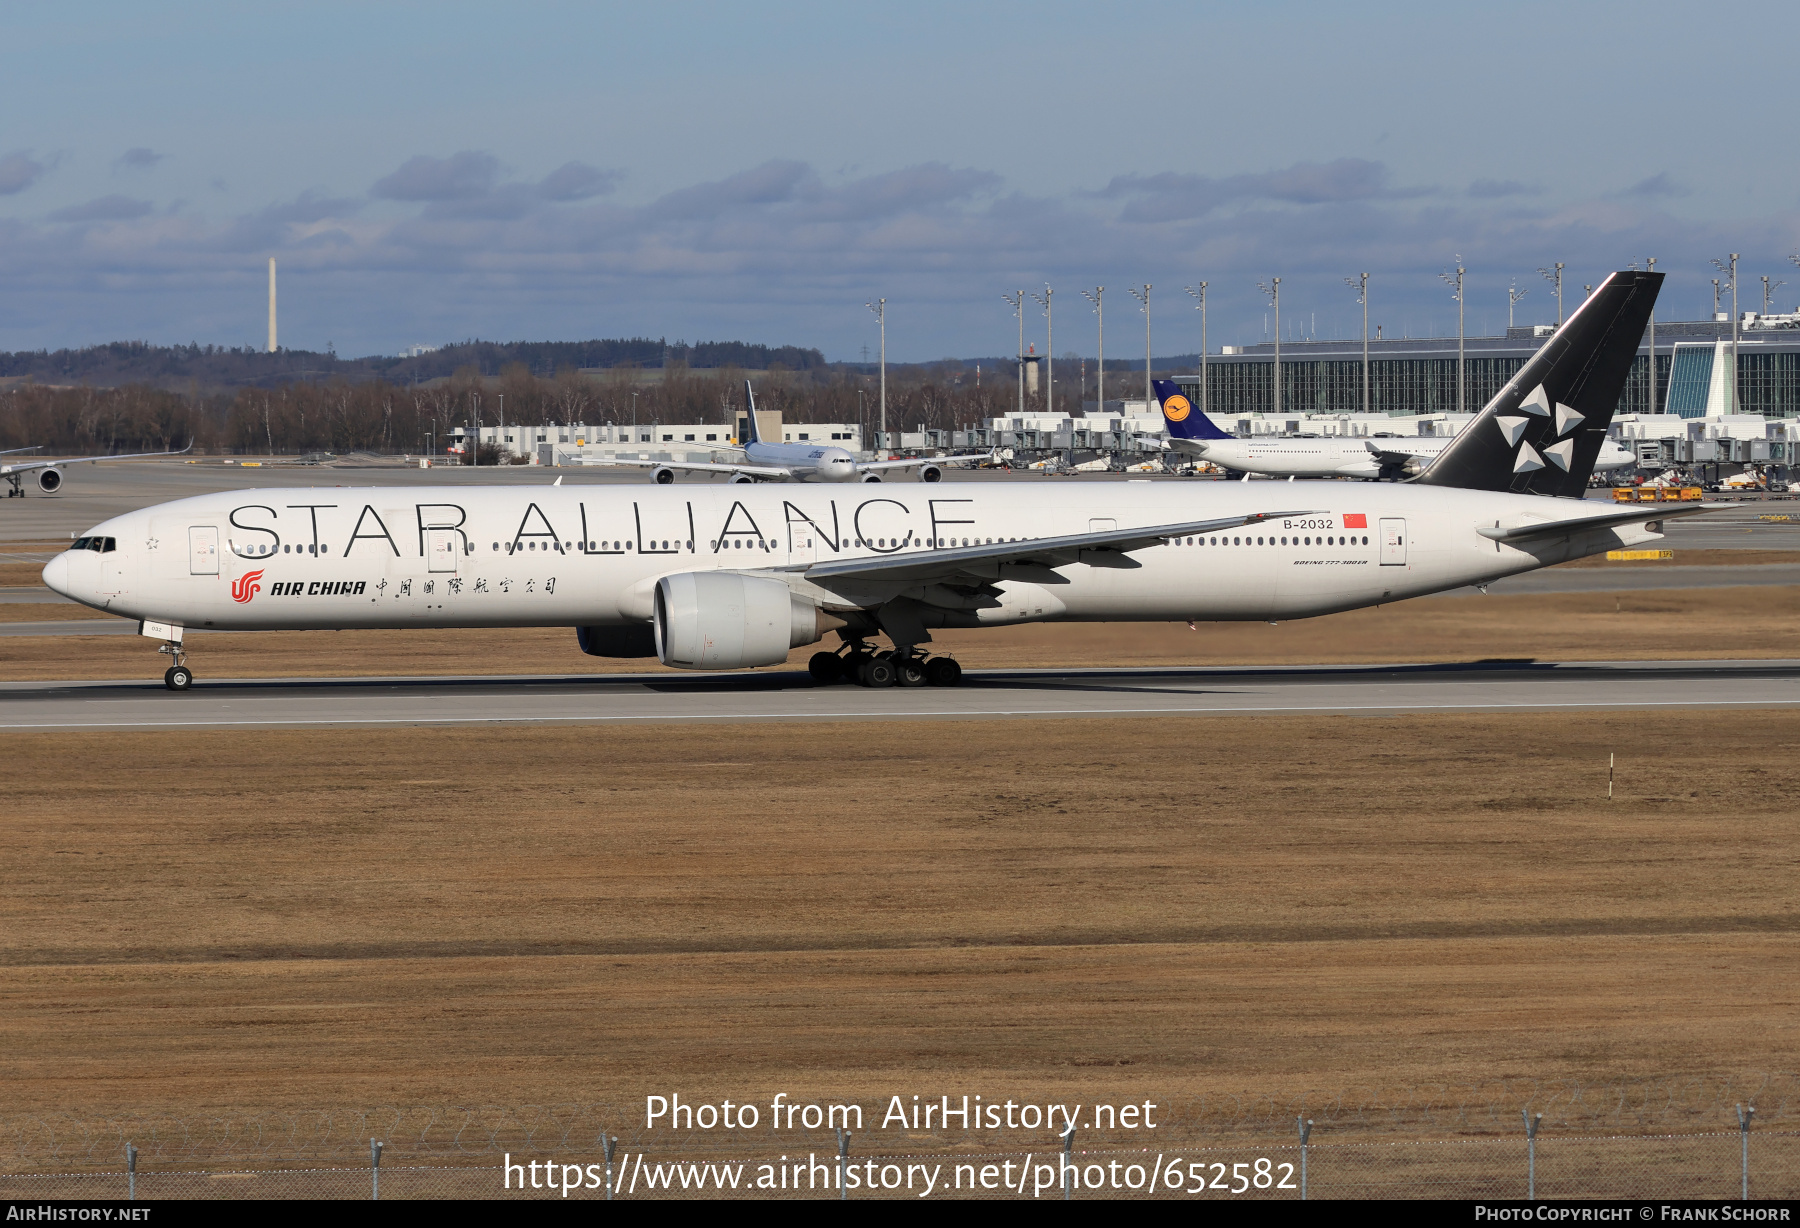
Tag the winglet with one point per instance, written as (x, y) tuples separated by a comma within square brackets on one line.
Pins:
[(1182, 417), (750, 399)]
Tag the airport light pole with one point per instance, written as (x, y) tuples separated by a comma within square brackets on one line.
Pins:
[(1650, 265), (1149, 388), (1199, 292), (1769, 292), (1272, 288), (1556, 279), (1049, 347), (879, 307), (1730, 271), (1360, 284), (1513, 295), (1017, 303), (1456, 292), (475, 421), (500, 436), (1100, 366)]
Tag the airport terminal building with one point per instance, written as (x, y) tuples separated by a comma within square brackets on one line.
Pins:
[(1417, 376)]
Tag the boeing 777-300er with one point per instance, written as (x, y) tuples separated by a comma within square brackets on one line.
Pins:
[(798, 462), (729, 577), (49, 472), (1193, 434)]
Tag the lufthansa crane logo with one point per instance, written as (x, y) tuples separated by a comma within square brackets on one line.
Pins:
[(245, 586), (1175, 409)]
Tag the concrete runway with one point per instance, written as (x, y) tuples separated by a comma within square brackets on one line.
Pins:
[(1374, 690)]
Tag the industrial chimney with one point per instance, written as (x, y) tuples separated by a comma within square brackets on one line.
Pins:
[(271, 304)]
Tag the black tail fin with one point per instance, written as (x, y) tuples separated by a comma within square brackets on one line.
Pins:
[(1541, 433)]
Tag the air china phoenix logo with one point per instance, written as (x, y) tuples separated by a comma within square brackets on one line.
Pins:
[(1175, 409), (245, 586)]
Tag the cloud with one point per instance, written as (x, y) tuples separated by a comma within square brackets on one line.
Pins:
[(926, 186), (1657, 185), (577, 181), (771, 183), (461, 176), (138, 158), (113, 208), (1171, 196), (777, 251), (19, 171), (1494, 189)]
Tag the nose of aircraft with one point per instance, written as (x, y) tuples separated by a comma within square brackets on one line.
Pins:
[(56, 575)]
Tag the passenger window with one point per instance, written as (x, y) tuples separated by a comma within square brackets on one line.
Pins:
[(324, 549)]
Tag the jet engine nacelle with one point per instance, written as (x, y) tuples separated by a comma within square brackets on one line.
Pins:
[(662, 475), (49, 480), (931, 473), (722, 620), (637, 640), (741, 478), (871, 477)]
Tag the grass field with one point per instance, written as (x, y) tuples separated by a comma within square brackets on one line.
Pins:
[(1096, 909)]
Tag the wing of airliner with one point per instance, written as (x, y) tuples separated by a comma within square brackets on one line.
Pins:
[(15, 472), (961, 458), (773, 473), (1389, 455), (982, 563)]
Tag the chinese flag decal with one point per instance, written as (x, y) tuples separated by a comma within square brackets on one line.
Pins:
[(1357, 521)]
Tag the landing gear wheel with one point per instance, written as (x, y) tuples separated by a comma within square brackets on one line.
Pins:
[(943, 671), (178, 678), (876, 672), (909, 671), (825, 667)]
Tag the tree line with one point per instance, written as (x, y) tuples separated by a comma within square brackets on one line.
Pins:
[(382, 416)]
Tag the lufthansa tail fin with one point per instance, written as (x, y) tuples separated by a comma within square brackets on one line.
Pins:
[(1541, 434), (1182, 417), (750, 400)]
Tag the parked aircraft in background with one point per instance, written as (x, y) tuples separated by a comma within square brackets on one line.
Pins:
[(725, 577), (1193, 434), (49, 472), (798, 462)]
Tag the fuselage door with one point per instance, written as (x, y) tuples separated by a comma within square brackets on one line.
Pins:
[(1393, 543), (441, 548), (203, 550)]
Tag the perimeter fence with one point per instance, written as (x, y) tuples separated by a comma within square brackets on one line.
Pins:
[(1676, 1138)]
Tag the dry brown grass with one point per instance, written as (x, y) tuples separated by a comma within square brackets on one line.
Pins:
[(1110, 909)]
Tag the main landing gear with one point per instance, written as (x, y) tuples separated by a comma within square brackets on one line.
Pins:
[(905, 666)]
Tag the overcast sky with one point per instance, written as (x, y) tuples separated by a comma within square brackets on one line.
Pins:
[(432, 172)]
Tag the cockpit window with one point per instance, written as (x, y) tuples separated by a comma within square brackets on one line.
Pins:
[(80, 543), (112, 544)]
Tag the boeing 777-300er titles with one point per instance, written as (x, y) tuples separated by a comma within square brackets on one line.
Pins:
[(1193, 434), (797, 462), (730, 577), (49, 472)]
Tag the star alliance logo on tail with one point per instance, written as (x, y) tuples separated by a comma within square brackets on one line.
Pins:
[(1561, 454), (245, 586)]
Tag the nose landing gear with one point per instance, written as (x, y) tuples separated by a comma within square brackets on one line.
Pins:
[(178, 677)]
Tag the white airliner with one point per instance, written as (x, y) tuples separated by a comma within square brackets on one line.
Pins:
[(797, 462), (49, 472), (1193, 434), (729, 577)]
